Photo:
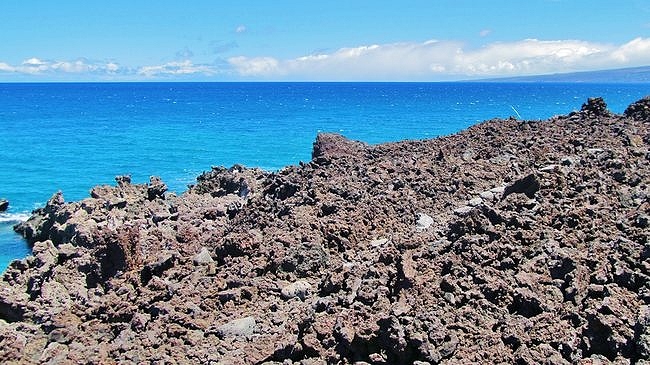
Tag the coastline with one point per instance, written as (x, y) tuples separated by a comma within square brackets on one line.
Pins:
[(510, 240)]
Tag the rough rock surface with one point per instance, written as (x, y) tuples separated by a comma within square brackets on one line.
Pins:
[(639, 110), (510, 242)]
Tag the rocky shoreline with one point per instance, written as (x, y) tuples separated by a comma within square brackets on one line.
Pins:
[(513, 241)]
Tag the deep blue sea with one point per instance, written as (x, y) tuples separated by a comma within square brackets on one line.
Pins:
[(70, 137)]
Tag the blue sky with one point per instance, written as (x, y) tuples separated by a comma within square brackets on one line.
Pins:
[(317, 40)]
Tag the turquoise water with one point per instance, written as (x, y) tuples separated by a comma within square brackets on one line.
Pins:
[(70, 137)]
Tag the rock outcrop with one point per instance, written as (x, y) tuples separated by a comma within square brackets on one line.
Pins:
[(639, 110), (595, 107), (4, 205), (513, 242)]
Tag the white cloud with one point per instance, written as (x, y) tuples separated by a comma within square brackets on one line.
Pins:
[(436, 60), (432, 60), (185, 67), (485, 32), (528, 57), (6, 67), (33, 66), (36, 66), (74, 67), (636, 49), (112, 67), (257, 66), (240, 29), (83, 68)]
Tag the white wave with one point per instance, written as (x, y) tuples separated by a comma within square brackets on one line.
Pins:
[(13, 217)]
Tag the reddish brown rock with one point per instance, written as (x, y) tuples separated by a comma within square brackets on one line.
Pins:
[(514, 242)]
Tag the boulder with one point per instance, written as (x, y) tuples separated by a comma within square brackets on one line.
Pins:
[(333, 144)]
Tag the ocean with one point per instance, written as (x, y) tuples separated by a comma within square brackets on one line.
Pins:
[(72, 136)]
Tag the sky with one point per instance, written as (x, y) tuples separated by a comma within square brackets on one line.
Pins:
[(317, 40)]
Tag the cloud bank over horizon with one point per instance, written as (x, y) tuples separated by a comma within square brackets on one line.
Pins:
[(432, 60), (37, 66), (449, 60)]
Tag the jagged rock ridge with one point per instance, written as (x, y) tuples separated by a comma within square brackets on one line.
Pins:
[(516, 242)]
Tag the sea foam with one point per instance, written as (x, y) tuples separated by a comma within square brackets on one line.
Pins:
[(13, 217)]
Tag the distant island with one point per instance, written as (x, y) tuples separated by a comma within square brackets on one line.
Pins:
[(620, 75)]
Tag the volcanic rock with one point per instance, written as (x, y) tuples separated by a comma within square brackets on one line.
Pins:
[(4, 205), (510, 242), (527, 185), (639, 110), (299, 289), (424, 221), (595, 107), (203, 257), (332, 145), (239, 327)]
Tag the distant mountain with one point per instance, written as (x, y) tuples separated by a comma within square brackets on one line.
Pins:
[(621, 75)]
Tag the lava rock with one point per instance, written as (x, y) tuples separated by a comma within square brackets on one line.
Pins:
[(242, 327), (533, 246), (595, 107), (333, 144), (527, 185), (203, 257), (156, 188), (639, 110), (299, 289)]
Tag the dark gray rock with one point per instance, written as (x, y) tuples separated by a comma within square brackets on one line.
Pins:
[(527, 185), (639, 110), (156, 188), (595, 107), (123, 180)]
